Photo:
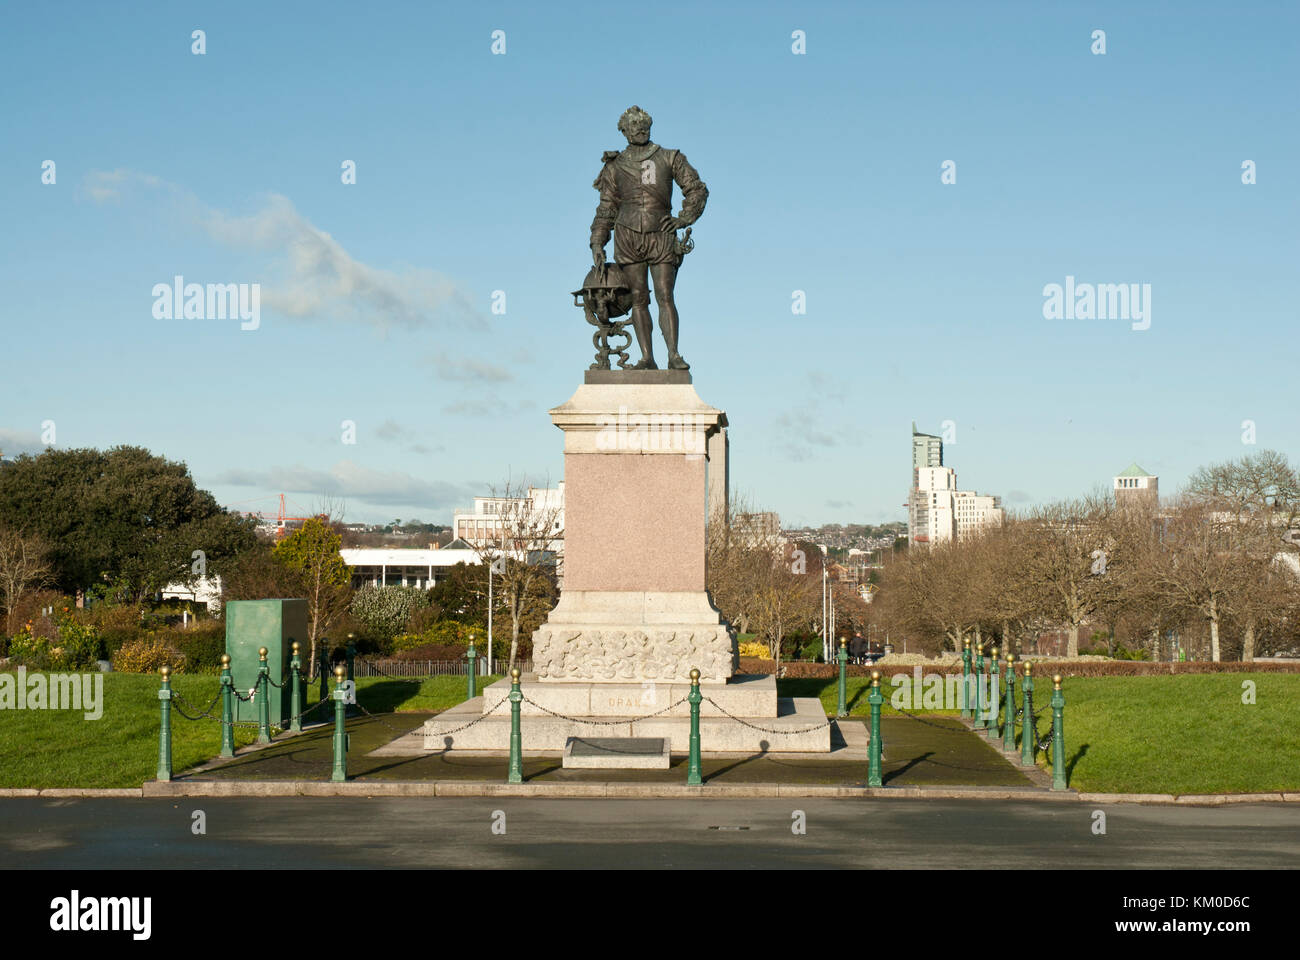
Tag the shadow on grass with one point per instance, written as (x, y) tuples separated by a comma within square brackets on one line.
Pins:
[(387, 696), (763, 748), (806, 686), (1069, 764), (885, 778)]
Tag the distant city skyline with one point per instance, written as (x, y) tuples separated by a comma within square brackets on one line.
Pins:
[(938, 213)]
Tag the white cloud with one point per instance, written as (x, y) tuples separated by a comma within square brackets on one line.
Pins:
[(352, 482), (309, 274), (14, 443)]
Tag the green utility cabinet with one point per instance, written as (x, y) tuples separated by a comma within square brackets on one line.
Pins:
[(274, 624)]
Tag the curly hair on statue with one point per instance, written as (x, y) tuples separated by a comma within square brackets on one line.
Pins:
[(633, 113)]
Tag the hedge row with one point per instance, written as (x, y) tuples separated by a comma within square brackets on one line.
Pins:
[(1042, 668)]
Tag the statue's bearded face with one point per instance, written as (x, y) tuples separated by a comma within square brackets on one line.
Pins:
[(637, 130)]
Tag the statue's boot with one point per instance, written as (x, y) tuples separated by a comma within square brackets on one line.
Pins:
[(668, 324), (644, 327)]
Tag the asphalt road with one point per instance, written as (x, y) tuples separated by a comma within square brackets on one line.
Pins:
[(638, 834)]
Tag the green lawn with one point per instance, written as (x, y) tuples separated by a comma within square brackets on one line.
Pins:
[(1176, 734), (1183, 734), (59, 748)]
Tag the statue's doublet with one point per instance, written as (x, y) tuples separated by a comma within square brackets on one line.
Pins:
[(636, 189)]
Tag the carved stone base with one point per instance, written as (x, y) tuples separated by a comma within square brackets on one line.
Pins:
[(634, 636)]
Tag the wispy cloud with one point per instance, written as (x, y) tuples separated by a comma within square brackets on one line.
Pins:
[(14, 443), (470, 371), (353, 482), (308, 274)]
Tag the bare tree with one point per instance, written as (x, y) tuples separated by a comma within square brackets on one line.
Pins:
[(23, 567), (1207, 564), (520, 549), (1066, 554)]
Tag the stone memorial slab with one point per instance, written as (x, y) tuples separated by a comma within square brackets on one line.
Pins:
[(616, 753)]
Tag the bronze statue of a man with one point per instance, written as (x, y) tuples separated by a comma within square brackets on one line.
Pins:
[(636, 194)]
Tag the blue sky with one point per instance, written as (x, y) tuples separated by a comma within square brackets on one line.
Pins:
[(473, 174)]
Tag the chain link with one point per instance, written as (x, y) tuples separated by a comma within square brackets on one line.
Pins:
[(201, 713), (479, 719), (754, 726), (205, 714), (605, 723)]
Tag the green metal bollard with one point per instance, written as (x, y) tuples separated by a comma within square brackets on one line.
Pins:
[(324, 670), (350, 655), (875, 699), (1009, 721), (340, 728), (693, 778), (263, 693), (165, 730), (516, 774), (965, 678), (1058, 734), (471, 683), (227, 708), (979, 687), (842, 710), (1027, 731), (994, 730), (295, 691)]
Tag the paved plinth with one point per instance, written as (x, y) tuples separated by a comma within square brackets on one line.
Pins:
[(798, 726)]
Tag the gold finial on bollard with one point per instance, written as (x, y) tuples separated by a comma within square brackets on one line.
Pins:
[(340, 673), (695, 675), (261, 652), (296, 648), (225, 661), (1029, 667), (1056, 682), (165, 670), (966, 641), (514, 674), (875, 678)]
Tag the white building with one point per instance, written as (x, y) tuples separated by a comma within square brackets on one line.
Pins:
[(938, 512), (205, 590), (492, 517), (930, 506), (973, 512), (397, 567), (1135, 483)]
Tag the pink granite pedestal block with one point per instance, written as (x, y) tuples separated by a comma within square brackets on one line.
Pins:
[(637, 478)]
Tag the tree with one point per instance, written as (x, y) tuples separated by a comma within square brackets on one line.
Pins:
[(1260, 496), (122, 520), (1066, 550), (787, 597), (524, 540), (1210, 563), (312, 551), (23, 567), (385, 611), (462, 593)]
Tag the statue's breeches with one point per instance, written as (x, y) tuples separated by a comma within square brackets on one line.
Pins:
[(633, 247)]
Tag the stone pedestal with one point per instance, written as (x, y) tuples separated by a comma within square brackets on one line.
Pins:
[(644, 463), (636, 496)]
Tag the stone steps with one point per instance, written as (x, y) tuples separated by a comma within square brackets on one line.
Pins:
[(799, 724)]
